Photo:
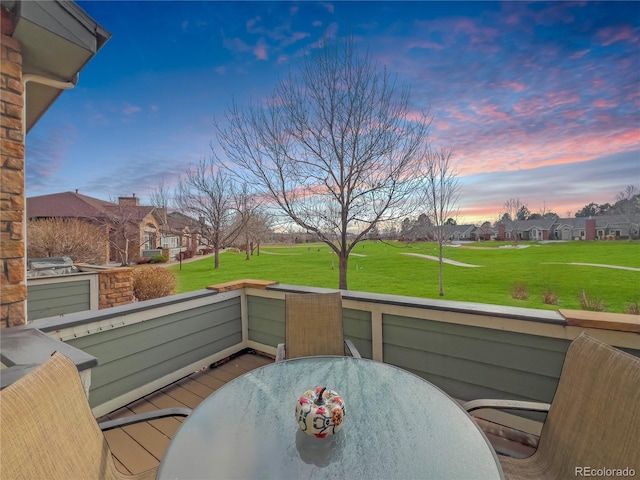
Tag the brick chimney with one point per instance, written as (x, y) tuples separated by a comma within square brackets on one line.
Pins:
[(132, 201), (502, 231), (590, 229)]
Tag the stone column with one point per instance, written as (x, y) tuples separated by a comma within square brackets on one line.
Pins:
[(13, 288), (115, 287)]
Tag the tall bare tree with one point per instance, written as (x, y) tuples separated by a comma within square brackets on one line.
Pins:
[(334, 147), (512, 208), (441, 194), (209, 194), (162, 199)]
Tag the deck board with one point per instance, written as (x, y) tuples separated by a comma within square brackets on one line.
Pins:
[(140, 447)]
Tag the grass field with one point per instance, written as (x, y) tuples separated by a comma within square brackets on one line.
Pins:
[(383, 268)]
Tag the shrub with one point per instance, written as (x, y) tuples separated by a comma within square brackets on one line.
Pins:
[(153, 282), (591, 303), (633, 308), (550, 297), (159, 259), (82, 241), (519, 292), (142, 260), (184, 255)]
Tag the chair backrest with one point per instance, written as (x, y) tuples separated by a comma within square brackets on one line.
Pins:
[(47, 428), (594, 420), (313, 324)]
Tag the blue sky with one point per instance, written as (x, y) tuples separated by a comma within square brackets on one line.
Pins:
[(540, 101)]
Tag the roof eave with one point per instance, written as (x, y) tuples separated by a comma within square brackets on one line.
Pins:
[(58, 39)]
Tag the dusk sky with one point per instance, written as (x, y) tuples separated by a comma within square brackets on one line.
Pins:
[(540, 101)]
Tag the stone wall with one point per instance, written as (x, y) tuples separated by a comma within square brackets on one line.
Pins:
[(115, 287), (13, 288)]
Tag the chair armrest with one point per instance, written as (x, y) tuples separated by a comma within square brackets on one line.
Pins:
[(506, 405), (280, 353), (144, 417), (352, 348)]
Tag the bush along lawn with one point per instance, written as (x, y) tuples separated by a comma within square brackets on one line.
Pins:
[(534, 275)]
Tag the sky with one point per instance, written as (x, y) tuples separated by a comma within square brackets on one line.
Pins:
[(539, 101)]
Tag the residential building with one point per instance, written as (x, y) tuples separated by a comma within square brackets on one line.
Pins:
[(130, 228), (603, 227), (179, 232)]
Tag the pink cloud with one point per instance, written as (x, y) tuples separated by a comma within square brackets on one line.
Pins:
[(491, 111), (579, 54), (260, 50), (414, 115), (604, 104), (611, 35), (442, 125), (515, 86), (554, 99)]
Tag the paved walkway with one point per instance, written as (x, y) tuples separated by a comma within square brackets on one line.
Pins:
[(619, 267), (444, 260)]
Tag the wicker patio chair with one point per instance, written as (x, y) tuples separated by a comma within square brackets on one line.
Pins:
[(48, 430), (314, 326), (593, 421)]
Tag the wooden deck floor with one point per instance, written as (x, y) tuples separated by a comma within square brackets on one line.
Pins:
[(139, 447)]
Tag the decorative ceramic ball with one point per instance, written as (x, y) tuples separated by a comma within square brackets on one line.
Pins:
[(320, 412)]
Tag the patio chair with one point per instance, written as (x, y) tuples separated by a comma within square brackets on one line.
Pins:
[(48, 430), (593, 421), (314, 326)]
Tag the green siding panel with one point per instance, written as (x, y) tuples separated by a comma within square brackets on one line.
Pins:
[(474, 362), (132, 356), (52, 299), (267, 324), (357, 328), (266, 320), (486, 350)]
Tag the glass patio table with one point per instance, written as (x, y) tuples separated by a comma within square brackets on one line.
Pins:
[(396, 425)]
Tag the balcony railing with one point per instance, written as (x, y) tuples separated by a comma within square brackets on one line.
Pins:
[(469, 350)]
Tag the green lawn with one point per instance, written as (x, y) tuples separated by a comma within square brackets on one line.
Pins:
[(379, 267)]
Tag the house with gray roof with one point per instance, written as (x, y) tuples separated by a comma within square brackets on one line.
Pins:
[(604, 227), (535, 230)]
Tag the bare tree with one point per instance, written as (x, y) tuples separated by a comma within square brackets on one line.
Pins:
[(123, 224), (162, 196), (209, 194), (335, 147), (162, 199), (441, 193), (546, 212), (512, 208)]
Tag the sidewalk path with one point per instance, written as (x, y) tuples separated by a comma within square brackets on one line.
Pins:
[(444, 260), (619, 267)]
